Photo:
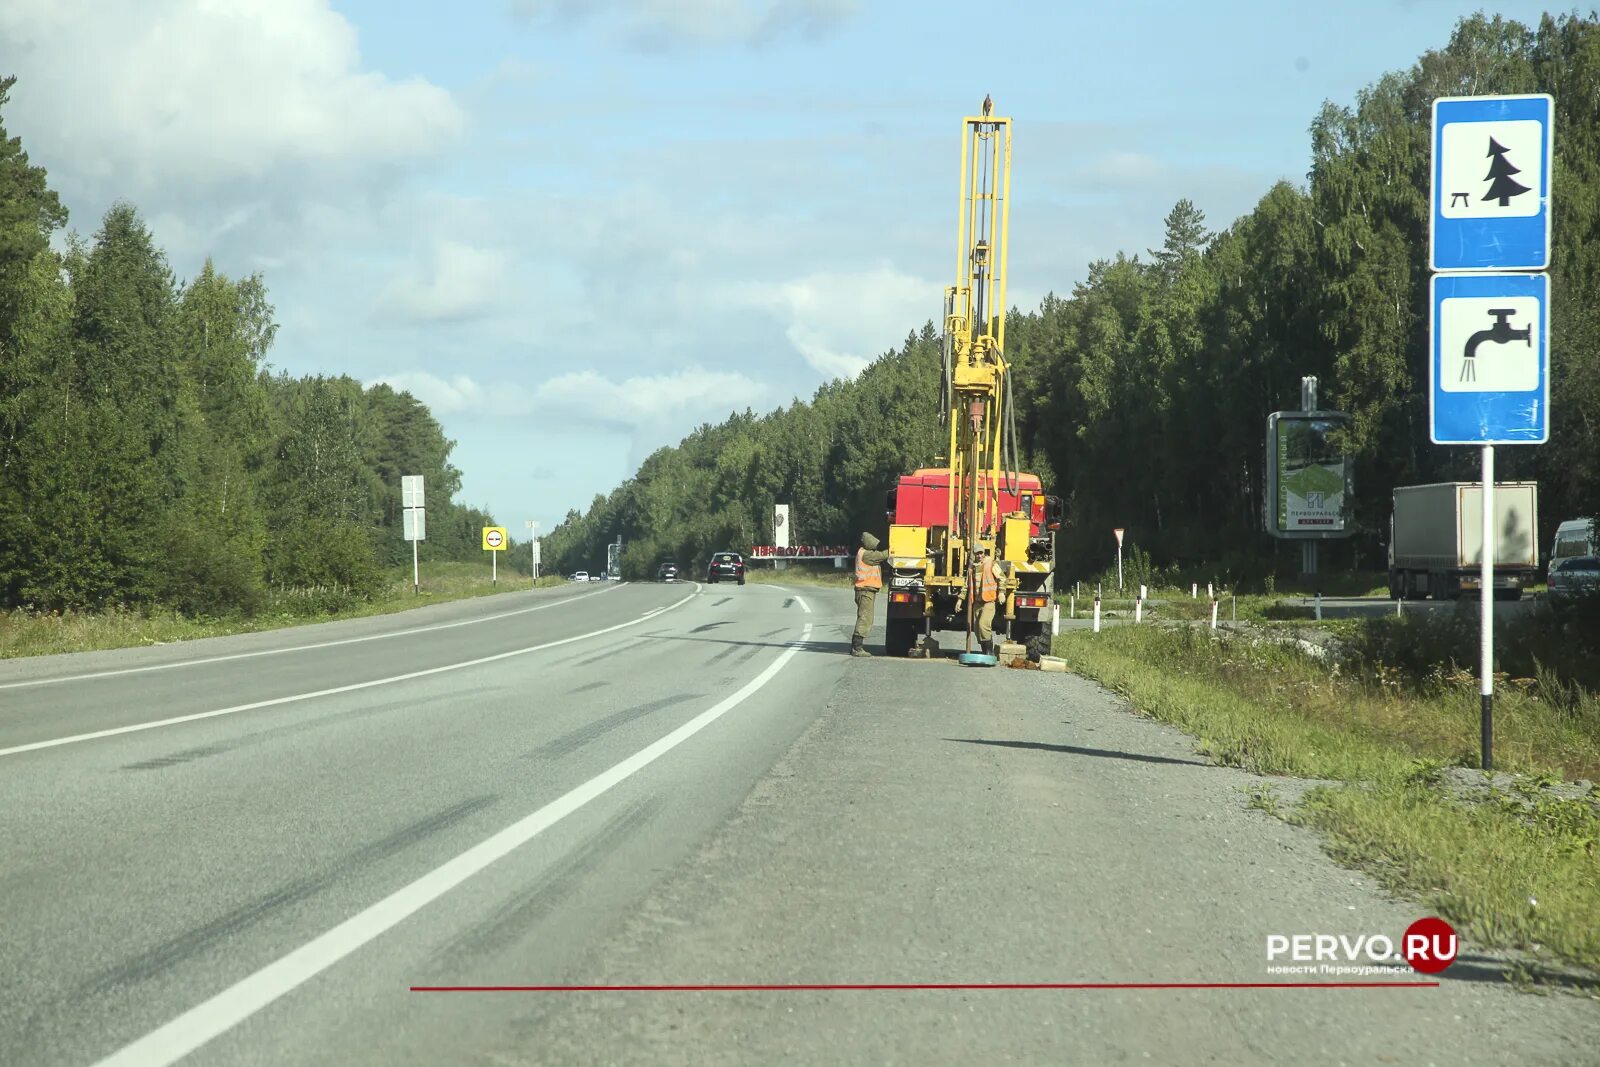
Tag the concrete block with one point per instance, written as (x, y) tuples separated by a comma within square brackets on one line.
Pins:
[(1053, 663), (1012, 648)]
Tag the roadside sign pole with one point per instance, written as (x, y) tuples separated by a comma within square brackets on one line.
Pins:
[(494, 569), (416, 582), (1488, 249), (1486, 622)]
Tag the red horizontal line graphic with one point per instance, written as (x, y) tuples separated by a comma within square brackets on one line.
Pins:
[(825, 987)]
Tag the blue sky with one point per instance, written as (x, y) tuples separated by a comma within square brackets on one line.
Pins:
[(580, 229)]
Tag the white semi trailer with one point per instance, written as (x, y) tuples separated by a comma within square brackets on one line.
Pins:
[(1436, 539)]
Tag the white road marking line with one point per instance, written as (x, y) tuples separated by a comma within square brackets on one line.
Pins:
[(803, 604), (170, 1043), (299, 648), (136, 727)]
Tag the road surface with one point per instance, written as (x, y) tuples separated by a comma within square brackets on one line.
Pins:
[(249, 850)]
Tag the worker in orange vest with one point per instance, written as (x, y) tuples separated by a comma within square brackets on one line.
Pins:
[(869, 579), (986, 597)]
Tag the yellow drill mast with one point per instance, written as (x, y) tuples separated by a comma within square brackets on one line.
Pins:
[(974, 344)]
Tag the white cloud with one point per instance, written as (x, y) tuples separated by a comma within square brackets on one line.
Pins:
[(460, 393), (589, 398), (841, 321), (461, 282), (170, 102), (657, 24)]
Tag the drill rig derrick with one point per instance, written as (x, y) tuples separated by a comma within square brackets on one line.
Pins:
[(974, 347), (944, 518)]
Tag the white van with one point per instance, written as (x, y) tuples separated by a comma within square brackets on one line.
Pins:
[(1575, 537)]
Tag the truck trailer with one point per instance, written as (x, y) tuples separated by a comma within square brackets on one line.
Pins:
[(1436, 539)]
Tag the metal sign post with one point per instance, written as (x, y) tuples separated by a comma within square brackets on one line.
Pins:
[(1119, 532), (494, 543), (1489, 359), (414, 522), (533, 547)]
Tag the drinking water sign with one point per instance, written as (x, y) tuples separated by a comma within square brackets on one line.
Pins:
[(1491, 183), (1489, 364)]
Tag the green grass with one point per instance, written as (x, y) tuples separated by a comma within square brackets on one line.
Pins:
[(24, 633), (1385, 731), (1501, 876)]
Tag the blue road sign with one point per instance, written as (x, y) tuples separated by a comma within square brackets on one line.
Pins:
[(1489, 359), (1491, 182)]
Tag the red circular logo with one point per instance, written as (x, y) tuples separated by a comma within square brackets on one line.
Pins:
[(1429, 945)]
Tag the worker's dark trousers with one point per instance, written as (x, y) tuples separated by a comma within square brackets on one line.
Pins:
[(864, 602), (985, 622)]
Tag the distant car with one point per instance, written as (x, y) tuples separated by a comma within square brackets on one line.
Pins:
[(1574, 577), (667, 572), (581, 576), (726, 566)]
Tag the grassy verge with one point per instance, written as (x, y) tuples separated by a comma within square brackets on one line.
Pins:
[(46, 633), (1387, 733)]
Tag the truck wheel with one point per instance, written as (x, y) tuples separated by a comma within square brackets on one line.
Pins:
[(900, 636), (1039, 644)]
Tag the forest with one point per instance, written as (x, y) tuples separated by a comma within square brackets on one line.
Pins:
[(149, 456), (1143, 394)]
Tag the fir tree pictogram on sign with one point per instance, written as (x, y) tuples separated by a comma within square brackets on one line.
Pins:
[(1504, 187)]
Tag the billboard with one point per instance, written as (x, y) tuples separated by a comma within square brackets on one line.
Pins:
[(1309, 489)]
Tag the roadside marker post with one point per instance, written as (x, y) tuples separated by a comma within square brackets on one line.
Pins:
[(414, 522), (494, 543), (1097, 613), (1194, 590), (1119, 532), (1213, 613), (1138, 609), (1491, 197), (1055, 619), (1319, 605)]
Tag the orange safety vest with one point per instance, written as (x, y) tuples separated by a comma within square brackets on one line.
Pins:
[(988, 588), (868, 576)]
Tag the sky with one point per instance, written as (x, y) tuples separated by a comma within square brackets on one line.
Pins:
[(578, 230)]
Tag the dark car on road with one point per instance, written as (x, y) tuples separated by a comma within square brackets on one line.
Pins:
[(726, 567), (1575, 577), (667, 572)]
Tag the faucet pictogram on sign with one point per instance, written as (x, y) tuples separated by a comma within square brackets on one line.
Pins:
[(1501, 333)]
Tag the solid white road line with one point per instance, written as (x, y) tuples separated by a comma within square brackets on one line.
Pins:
[(52, 743), (300, 648), (804, 606), (181, 1036)]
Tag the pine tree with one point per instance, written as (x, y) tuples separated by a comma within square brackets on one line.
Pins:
[(1500, 172)]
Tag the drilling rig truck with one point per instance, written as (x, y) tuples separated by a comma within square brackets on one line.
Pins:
[(943, 520)]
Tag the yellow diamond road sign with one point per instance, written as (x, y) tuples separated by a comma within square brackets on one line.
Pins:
[(494, 538)]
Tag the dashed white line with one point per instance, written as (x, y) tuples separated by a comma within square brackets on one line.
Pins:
[(299, 648), (803, 605), (198, 1025), (254, 705)]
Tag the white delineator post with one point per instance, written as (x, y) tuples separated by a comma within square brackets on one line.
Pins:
[(1486, 623), (1055, 619), (1097, 613), (1194, 591), (1213, 613)]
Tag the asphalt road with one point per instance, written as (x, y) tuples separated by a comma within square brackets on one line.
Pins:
[(248, 850)]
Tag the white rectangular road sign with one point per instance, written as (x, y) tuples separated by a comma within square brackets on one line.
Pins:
[(414, 522), (1489, 359), (411, 491), (1491, 182)]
